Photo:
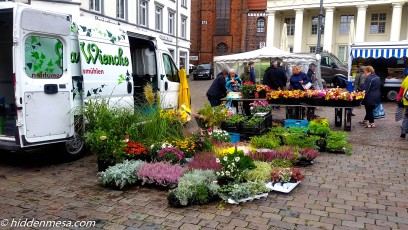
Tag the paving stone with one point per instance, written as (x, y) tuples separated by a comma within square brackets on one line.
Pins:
[(238, 223), (189, 227), (208, 223), (352, 224)]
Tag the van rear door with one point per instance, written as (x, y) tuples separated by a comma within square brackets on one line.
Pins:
[(42, 77)]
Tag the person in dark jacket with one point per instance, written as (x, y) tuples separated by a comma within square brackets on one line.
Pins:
[(218, 89), (252, 72), (372, 95), (276, 77), (298, 78)]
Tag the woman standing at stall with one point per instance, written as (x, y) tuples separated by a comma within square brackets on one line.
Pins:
[(233, 82), (372, 96), (299, 80)]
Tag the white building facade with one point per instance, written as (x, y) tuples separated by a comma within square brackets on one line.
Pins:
[(168, 19), (374, 20)]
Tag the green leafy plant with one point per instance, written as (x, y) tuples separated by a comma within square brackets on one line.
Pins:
[(121, 174), (248, 88), (252, 122), (262, 172), (208, 117), (281, 163), (301, 140), (336, 141), (107, 146), (235, 119), (267, 141), (319, 126)]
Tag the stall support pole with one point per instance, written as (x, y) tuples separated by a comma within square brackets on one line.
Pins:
[(338, 116)]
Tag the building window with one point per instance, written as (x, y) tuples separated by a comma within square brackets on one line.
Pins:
[(120, 9), (159, 18), (222, 48), (183, 27), (290, 49), (171, 23), (342, 54), (260, 25), (95, 5), (345, 24), (315, 25), (184, 3), (222, 21), (290, 26), (312, 49), (143, 13), (378, 23)]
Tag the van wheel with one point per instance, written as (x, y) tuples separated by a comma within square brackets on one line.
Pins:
[(74, 148), (392, 94)]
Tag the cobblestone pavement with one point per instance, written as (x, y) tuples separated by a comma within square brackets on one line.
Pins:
[(367, 190)]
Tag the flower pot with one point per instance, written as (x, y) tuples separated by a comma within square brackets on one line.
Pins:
[(103, 165), (246, 96), (262, 94)]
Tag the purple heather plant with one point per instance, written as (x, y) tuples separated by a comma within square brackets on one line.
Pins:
[(308, 153), (160, 173), (272, 154), (204, 161)]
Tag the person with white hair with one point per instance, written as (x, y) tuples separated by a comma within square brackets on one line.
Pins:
[(233, 82)]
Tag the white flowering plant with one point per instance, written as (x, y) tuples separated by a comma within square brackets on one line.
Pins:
[(219, 135), (234, 166)]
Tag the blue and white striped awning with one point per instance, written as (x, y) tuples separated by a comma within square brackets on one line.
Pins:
[(378, 52)]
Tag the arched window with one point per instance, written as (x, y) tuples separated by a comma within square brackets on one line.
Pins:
[(260, 25), (222, 48)]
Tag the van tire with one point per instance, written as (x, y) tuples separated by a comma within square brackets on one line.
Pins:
[(74, 148), (391, 94)]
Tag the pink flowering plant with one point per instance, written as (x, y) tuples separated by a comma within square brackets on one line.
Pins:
[(171, 154), (260, 107), (160, 173)]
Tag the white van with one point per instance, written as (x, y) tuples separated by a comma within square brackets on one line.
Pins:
[(50, 65)]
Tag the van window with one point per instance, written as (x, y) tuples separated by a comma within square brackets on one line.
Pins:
[(170, 69), (43, 57)]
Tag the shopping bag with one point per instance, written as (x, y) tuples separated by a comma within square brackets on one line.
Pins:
[(231, 109), (307, 85), (379, 111), (399, 113)]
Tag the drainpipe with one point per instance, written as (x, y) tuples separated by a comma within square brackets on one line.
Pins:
[(177, 34)]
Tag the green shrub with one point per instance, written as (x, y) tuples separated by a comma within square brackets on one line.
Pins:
[(260, 173)]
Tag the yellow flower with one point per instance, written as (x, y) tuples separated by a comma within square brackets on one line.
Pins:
[(102, 138)]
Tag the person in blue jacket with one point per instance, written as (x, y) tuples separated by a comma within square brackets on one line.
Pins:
[(233, 82), (298, 78), (372, 88)]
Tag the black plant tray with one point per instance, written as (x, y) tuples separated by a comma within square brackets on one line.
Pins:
[(230, 127)]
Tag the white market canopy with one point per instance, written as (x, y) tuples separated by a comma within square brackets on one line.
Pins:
[(262, 58)]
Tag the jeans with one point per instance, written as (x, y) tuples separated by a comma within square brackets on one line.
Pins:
[(214, 101), (404, 127), (369, 113)]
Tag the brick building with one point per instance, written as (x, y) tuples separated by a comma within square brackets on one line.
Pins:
[(220, 27)]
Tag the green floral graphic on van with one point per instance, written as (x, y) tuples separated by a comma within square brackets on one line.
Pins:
[(43, 57), (94, 32)]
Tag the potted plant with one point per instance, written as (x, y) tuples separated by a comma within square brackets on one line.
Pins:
[(319, 126), (204, 161), (121, 175), (242, 192), (233, 167), (172, 155), (195, 187), (219, 135), (208, 117), (261, 172), (248, 89), (285, 179), (254, 125), (336, 141), (266, 141), (260, 107), (162, 174), (232, 122)]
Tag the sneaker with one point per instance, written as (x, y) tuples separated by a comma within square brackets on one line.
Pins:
[(403, 135), (363, 122)]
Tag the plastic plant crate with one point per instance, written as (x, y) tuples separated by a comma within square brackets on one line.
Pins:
[(296, 123), (234, 137), (254, 130), (267, 116), (230, 127)]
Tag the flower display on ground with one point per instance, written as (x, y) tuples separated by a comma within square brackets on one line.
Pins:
[(135, 149), (220, 135)]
